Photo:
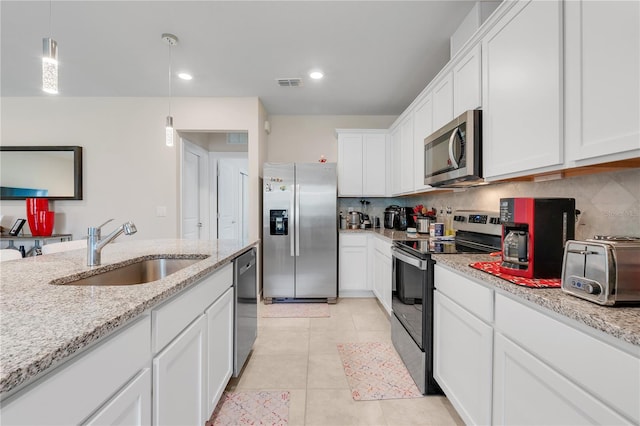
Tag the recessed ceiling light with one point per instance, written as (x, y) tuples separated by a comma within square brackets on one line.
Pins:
[(185, 76), (316, 75)]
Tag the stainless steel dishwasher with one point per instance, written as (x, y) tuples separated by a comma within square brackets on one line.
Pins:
[(246, 308)]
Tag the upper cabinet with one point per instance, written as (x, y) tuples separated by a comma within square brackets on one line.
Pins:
[(422, 127), (443, 100), (362, 163), (602, 83), (522, 91), (467, 82), (406, 155)]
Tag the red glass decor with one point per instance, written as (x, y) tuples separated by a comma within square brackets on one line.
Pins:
[(39, 217), (45, 223)]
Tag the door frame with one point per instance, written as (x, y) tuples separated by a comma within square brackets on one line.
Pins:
[(204, 192)]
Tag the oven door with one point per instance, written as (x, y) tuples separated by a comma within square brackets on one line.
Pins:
[(410, 280)]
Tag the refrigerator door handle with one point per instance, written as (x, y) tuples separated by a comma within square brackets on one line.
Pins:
[(291, 216), (297, 220)]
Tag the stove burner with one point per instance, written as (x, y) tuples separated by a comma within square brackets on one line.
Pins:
[(615, 238)]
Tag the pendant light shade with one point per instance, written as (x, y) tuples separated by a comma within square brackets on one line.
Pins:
[(49, 65), (169, 131), (171, 40)]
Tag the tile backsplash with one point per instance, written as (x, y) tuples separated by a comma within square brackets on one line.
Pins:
[(609, 202)]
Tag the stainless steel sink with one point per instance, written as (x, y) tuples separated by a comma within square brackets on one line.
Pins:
[(144, 271)]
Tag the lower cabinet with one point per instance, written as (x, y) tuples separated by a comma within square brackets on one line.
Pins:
[(353, 279), (527, 391), (501, 360), (167, 368), (179, 378), (220, 317), (77, 390), (463, 350), (382, 278), (131, 406)]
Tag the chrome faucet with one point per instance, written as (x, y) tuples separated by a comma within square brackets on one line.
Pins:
[(95, 244)]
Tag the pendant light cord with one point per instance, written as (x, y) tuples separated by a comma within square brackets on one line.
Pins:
[(50, 26), (170, 92)]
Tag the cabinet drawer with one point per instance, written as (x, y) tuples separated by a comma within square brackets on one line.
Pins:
[(382, 246), (73, 391), (356, 240), (174, 316), (604, 371), (472, 296)]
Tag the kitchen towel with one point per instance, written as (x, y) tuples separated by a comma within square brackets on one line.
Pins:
[(295, 310), (374, 371), (493, 268), (251, 408)]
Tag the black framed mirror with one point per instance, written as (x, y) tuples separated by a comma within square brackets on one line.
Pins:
[(53, 172)]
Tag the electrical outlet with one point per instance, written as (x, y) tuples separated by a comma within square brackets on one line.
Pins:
[(161, 211)]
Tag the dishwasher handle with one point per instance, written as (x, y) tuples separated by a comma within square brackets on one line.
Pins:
[(244, 268)]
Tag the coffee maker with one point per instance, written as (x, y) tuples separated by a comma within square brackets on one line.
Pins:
[(534, 232)]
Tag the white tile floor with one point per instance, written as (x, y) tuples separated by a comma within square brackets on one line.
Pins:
[(300, 355)]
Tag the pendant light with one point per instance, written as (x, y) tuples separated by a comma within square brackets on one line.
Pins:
[(49, 62), (171, 40)]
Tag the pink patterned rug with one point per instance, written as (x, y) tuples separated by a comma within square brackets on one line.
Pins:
[(375, 371), (251, 408), (295, 310)]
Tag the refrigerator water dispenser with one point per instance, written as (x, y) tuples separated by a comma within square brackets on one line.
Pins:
[(279, 222)]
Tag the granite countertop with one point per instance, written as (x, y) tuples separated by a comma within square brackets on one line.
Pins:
[(391, 234), (42, 324), (623, 323)]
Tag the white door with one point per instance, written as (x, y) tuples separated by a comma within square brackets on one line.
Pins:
[(195, 191), (244, 206), (228, 199)]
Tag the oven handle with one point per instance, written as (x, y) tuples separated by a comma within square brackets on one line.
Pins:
[(413, 261)]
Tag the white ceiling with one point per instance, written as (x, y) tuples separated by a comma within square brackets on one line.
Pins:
[(376, 55)]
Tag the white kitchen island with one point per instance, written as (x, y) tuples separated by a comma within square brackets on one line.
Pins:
[(87, 354)]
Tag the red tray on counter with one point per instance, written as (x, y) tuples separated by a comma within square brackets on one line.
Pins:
[(493, 268)]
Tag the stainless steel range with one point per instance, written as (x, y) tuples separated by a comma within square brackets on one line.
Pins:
[(412, 302)]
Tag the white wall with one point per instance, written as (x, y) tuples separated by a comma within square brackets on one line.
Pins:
[(128, 170), (304, 138)]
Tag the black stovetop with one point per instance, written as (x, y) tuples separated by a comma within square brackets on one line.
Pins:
[(465, 243)]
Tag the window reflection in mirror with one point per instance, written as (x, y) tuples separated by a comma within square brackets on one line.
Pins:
[(53, 172)]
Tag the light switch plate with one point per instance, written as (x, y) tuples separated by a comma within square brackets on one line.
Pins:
[(161, 211)]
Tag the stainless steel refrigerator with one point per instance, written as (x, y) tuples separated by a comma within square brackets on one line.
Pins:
[(299, 233)]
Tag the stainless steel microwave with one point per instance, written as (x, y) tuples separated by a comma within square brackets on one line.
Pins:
[(453, 154)]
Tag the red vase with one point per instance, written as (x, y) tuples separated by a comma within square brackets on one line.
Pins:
[(45, 222), (34, 206)]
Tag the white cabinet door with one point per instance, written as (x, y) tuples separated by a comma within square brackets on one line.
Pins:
[(422, 127), (374, 165), (396, 160), (353, 266), (463, 350), (522, 91), (130, 407), (220, 347), (179, 379), (443, 101), (382, 279), (349, 165), (467, 82), (602, 83), (406, 155), (527, 391)]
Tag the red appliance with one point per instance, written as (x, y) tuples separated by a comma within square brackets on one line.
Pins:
[(534, 232)]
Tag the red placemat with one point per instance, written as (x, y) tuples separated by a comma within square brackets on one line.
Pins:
[(493, 268)]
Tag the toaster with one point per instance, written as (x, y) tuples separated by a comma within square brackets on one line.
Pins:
[(603, 270)]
